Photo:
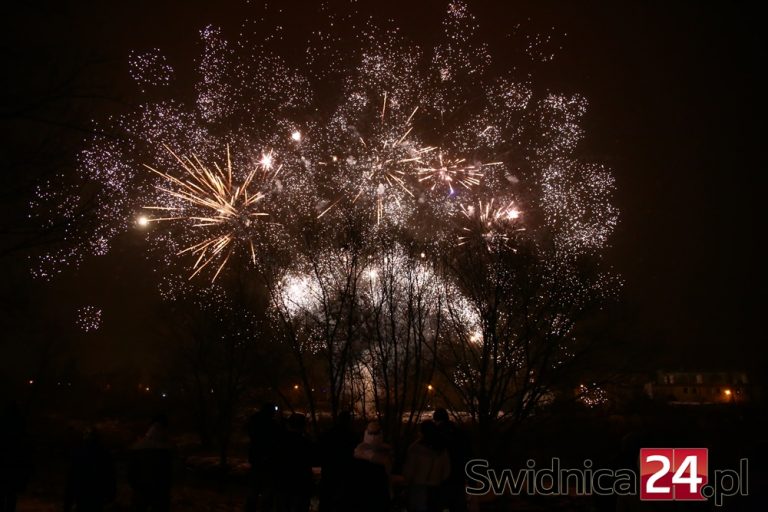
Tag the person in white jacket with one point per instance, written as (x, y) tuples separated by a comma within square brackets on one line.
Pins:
[(427, 465)]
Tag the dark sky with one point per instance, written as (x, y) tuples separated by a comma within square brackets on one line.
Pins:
[(676, 109)]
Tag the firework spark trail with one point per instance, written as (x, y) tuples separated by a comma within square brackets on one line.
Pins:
[(446, 171), (211, 199), (492, 223), (386, 162)]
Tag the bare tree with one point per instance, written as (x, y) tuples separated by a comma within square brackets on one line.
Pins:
[(512, 316), (220, 353), (316, 306), (402, 308)]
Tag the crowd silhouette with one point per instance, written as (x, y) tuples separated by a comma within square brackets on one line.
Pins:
[(356, 472), (342, 470)]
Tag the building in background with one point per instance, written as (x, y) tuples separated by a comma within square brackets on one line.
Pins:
[(699, 387)]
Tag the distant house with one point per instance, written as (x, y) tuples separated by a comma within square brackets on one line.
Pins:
[(699, 387)]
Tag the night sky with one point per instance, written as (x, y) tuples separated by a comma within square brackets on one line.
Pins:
[(676, 110)]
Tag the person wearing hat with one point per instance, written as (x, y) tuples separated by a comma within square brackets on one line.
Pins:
[(371, 470)]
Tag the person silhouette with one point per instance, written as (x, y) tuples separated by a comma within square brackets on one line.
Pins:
[(265, 432), (294, 467), (459, 451), (336, 449), (369, 486), (427, 466), (150, 468), (91, 481), (14, 462)]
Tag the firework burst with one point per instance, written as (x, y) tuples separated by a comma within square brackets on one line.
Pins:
[(380, 166), (89, 318), (224, 210), (410, 144), (447, 172), (345, 168), (491, 223)]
